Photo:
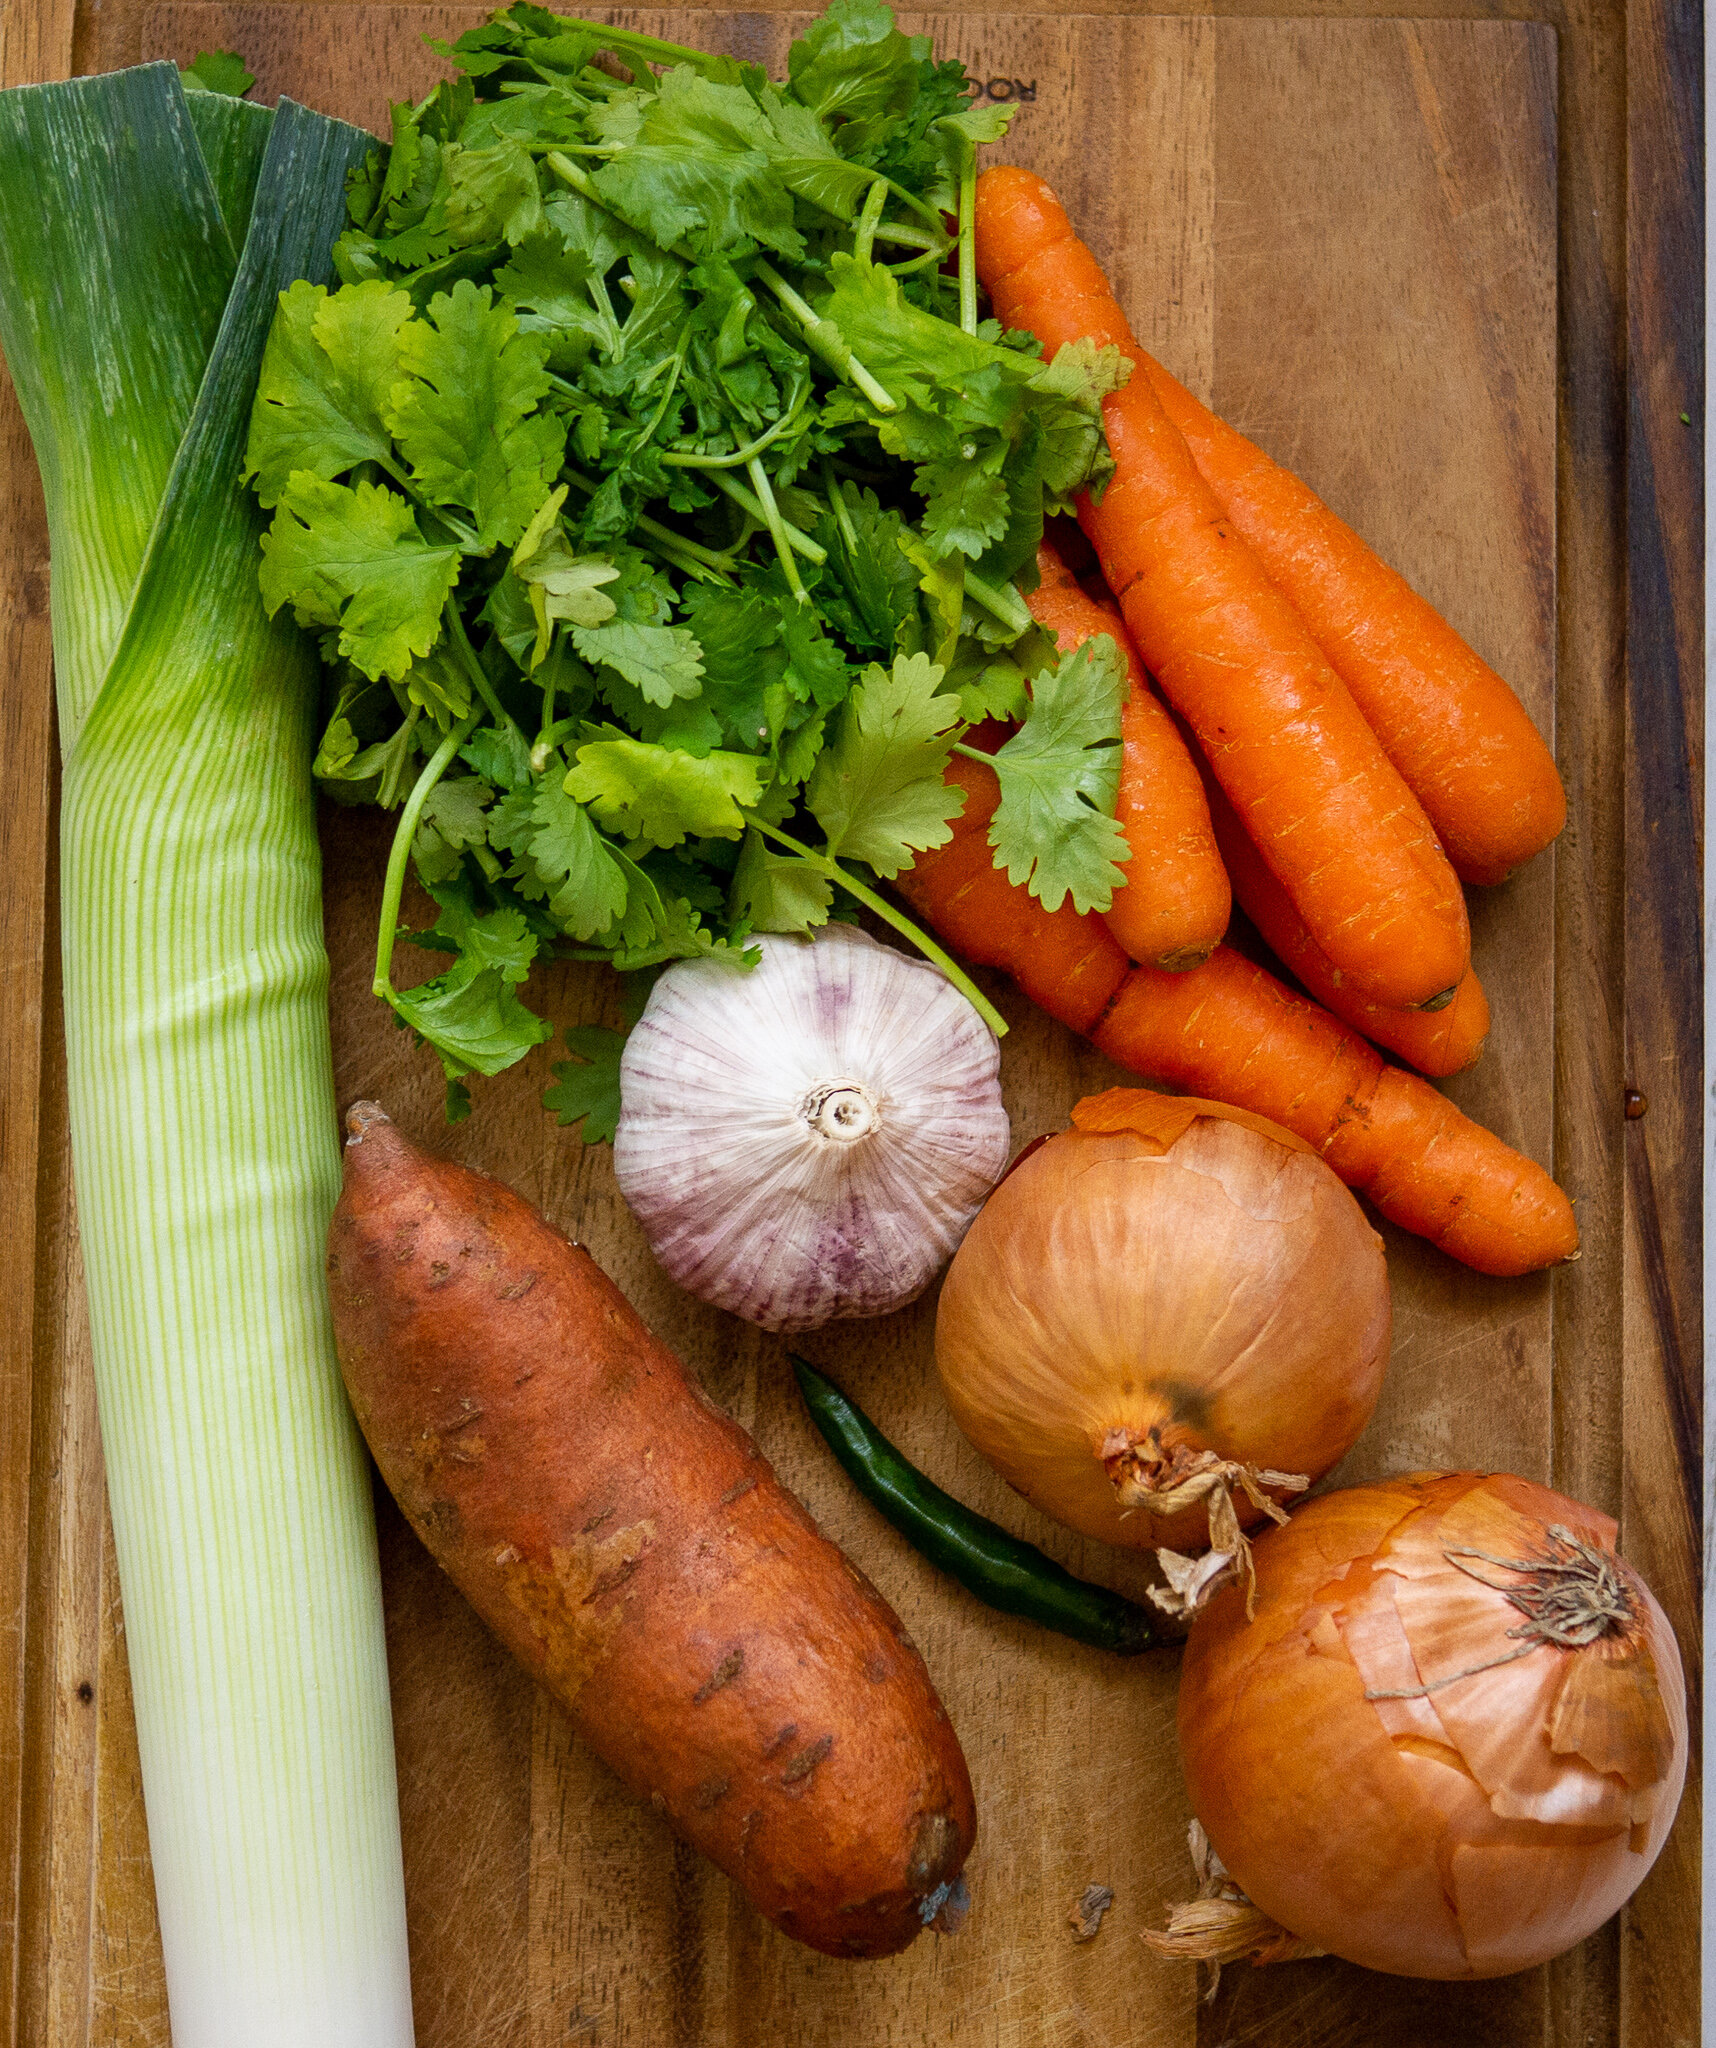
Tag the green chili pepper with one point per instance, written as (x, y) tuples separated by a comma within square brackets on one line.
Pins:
[(999, 1569)]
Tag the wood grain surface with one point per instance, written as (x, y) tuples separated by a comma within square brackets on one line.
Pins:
[(1345, 234)]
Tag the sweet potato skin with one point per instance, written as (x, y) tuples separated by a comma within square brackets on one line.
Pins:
[(635, 1551)]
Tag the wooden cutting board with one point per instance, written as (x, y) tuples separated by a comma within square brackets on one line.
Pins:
[(1344, 235)]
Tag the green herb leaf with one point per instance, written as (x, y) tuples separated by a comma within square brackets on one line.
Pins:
[(660, 795), (664, 662), (853, 64), (587, 1087), (877, 790), (1054, 829), (353, 558), (692, 162), (218, 71), (464, 417), (472, 1015), (331, 361), (778, 892)]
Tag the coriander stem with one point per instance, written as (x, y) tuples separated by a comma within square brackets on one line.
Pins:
[(825, 338), (869, 218), (825, 864), (664, 537), (842, 511), (1001, 601), (911, 238), (475, 670), (968, 240), (801, 543), (739, 456), (394, 887), (777, 527)]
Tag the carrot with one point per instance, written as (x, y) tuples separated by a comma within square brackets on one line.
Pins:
[(1329, 811), (1231, 1031), (1461, 738), (634, 1550), (1175, 905), (1437, 1042)]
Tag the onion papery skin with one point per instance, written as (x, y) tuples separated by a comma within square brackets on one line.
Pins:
[(1438, 1837), (1224, 1291), (729, 1086)]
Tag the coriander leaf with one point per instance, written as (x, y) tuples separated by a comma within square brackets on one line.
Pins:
[(979, 124), (438, 684), (967, 505), (492, 193), (659, 794), (694, 164), (586, 883), (743, 662), (853, 64), (872, 592), (817, 672), (554, 282), (464, 416), (331, 360), (587, 1087), (1054, 828), (353, 558), (217, 71), (499, 755), (877, 790), (807, 163), (472, 1014), (452, 819), (778, 892), (571, 585), (663, 662)]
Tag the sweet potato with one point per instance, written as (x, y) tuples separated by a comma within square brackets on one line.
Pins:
[(633, 1548)]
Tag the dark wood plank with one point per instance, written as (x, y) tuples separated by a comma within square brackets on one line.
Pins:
[(1665, 694)]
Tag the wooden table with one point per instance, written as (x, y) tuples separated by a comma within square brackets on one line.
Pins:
[(1620, 973)]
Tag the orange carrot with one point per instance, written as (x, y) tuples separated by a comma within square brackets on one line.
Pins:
[(1174, 907), (1434, 1041), (1231, 1031), (1318, 795), (1461, 738)]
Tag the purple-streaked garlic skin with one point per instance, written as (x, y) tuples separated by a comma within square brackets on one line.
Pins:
[(808, 1141)]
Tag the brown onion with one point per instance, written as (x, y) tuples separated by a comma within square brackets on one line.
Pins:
[(1453, 1739), (1169, 1306)]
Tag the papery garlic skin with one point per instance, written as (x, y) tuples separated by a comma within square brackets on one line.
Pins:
[(809, 1140)]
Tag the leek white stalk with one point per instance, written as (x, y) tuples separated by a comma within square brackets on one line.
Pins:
[(136, 288)]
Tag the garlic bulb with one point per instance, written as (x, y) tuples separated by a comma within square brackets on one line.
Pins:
[(810, 1139)]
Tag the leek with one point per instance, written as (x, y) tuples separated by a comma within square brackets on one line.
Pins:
[(144, 238)]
